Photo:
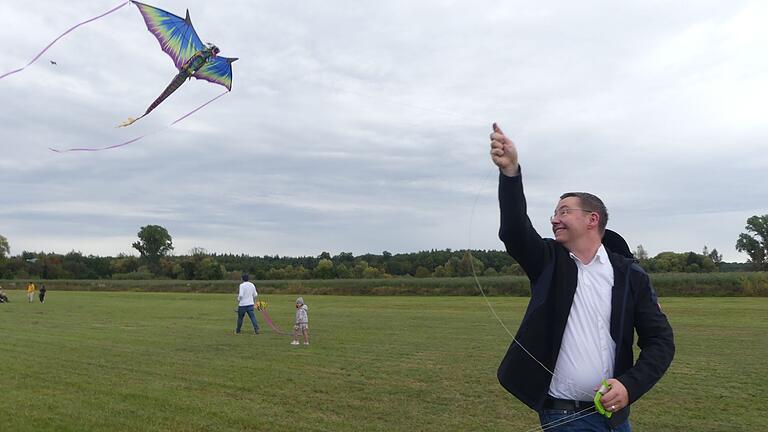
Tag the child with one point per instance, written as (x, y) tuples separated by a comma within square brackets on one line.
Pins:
[(302, 322), (30, 292)]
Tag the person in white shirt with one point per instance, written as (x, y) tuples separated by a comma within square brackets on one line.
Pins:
[(245, 300), (587, 302)]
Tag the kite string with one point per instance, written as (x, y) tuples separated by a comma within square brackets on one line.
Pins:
[(61, 36), (95, 149)]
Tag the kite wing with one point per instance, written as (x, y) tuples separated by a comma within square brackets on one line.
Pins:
[(218, 71), (176, 35)]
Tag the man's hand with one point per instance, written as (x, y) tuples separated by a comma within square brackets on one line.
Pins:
[(616, 398), (504, 153)]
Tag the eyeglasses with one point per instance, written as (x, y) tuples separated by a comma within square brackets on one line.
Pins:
[(560, 213)]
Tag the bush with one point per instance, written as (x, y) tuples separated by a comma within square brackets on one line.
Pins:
[(666, 284)]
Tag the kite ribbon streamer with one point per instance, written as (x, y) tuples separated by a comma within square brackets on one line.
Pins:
[(271, 323), (141, 136), (62, 35)]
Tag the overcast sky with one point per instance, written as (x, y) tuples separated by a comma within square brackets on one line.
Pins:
[(362, 126)]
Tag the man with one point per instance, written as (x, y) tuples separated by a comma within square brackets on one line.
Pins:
[(586, 302), (246, 299)]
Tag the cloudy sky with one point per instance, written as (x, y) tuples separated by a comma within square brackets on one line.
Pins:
[(362, 126)]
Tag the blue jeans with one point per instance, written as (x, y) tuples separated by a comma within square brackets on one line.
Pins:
[(593, 422), (241, 311)]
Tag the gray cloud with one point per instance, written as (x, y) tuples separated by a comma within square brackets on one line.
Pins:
[(363, 127)]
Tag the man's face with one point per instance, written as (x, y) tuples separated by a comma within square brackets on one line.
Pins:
[(570, 221)]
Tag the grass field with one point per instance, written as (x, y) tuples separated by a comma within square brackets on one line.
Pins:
[(169, 362)]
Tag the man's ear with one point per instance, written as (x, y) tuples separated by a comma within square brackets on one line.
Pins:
[(594, 220)]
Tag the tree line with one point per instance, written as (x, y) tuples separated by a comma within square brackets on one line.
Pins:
[(155, 260)]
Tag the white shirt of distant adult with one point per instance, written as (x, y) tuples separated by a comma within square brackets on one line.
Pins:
[(247, 294), (587, 351)]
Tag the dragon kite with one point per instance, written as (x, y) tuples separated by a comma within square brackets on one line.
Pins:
[(191, 57)]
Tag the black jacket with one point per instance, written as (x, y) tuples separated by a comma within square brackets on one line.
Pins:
[(553, 276)]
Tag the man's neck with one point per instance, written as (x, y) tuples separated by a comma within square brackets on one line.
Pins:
[(585, 251)]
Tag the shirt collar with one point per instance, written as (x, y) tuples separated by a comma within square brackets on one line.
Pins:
[(601, 256)]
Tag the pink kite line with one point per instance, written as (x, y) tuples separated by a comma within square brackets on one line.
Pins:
[(62, 35), (95, 149), (271, 324)]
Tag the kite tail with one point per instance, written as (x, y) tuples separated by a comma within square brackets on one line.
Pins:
[(175, 83), (61, 36), (94, 149), (271, 324)]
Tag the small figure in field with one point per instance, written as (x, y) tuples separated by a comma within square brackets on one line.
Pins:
[(302, 322), (245, 300), (30, 292), (3, 296), (42, 293)]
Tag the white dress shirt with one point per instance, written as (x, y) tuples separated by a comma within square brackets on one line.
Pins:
[(587, 351)]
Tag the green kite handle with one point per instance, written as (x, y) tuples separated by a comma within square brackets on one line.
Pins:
[(604, 387)]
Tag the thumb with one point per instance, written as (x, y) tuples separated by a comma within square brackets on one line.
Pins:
[(497, 129)]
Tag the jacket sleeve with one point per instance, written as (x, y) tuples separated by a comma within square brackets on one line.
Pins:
[(655, 339), (520, 238)]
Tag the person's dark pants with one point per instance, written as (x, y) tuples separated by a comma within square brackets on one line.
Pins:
[(42, 297), (241, 311)]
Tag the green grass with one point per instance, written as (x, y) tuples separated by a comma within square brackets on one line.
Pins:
[(112, 361)]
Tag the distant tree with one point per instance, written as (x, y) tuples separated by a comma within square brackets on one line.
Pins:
[(513, 269), (640, 253), (422, 272), (154, 242), (469, 265), (440, 272), (359, 268), (170, 268), (209, 269), (124, 264), (324, 269), (373, 273), (198, 251), (716, 257), (344, 258), (343, 272), (755, 241), (5, 248)]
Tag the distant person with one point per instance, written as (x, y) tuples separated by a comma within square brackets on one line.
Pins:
[(3, 296), (246, 299), (587, 301), (42, 293), (30, 292), (302, 322)]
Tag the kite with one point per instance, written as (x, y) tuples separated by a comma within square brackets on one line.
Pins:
[(191, 57), (178, 39)]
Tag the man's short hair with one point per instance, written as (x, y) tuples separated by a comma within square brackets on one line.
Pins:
[(245, 277), (591, 203)]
